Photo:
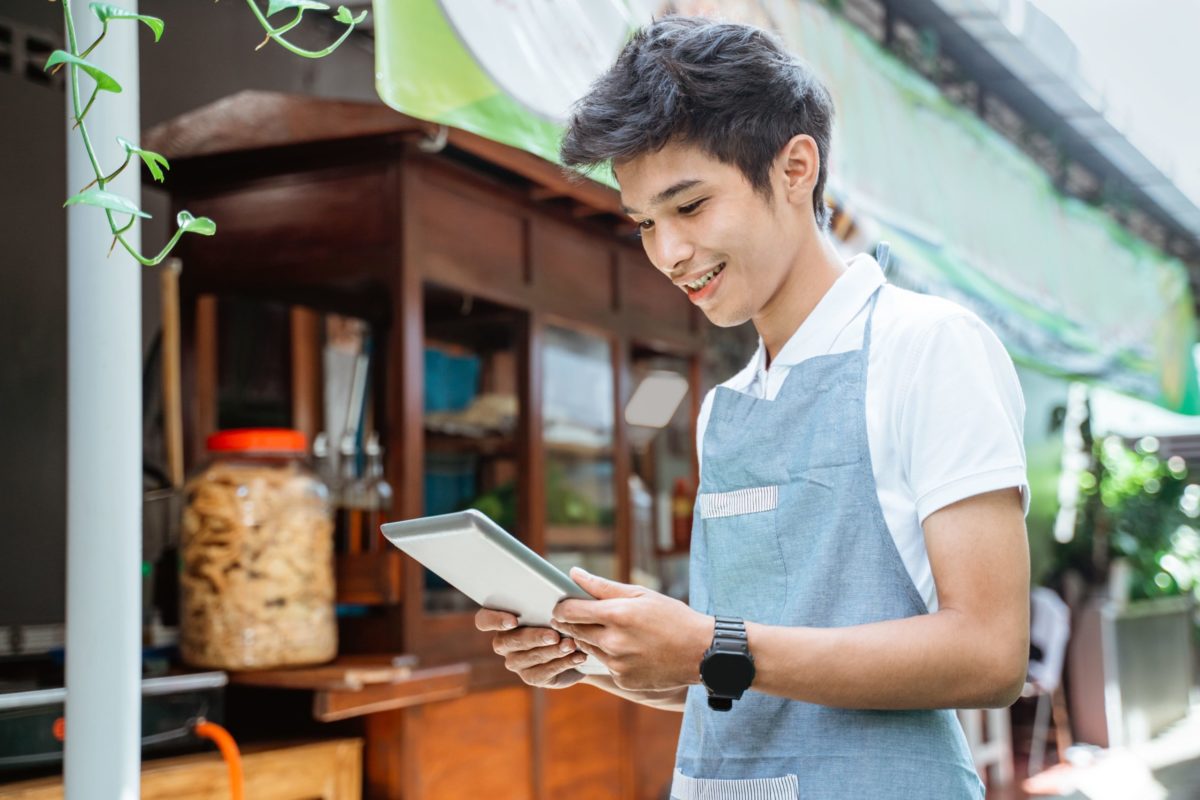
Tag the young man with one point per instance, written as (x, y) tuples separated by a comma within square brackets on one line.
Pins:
[(859, 559)]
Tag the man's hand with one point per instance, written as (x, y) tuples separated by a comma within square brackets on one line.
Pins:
[(647, 640), (538, 655)]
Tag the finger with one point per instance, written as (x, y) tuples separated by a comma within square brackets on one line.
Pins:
[(603, 588), (487, 619), (596, 653), (523, 639), (521, 660), (593, 650), (559, 672), (590, 612), (566, 678), (583, 633)]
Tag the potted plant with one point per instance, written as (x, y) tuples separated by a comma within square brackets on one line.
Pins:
[(1131, 572)]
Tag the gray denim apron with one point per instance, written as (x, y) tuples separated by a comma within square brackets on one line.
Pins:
[(788, 530)]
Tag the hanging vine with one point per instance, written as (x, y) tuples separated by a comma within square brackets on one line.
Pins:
[(116, 207), (343, 16)]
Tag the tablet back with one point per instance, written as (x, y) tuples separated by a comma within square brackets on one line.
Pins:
[(486, 563)]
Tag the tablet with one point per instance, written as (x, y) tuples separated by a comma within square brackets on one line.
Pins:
[(489, 565)]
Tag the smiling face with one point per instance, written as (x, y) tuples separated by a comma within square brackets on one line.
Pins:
[(696, 213)]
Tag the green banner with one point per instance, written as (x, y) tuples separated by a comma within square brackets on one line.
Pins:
[(970, 216)]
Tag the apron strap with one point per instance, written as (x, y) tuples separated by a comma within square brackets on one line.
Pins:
[(883, 255)]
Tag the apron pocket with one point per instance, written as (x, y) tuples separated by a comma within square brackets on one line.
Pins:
[(786, 787), (746, 573), (739, 501)]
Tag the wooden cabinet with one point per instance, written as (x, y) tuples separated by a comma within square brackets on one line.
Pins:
[(329, 770), (478, 746), (654, 736), (583, 759), (488, 255)]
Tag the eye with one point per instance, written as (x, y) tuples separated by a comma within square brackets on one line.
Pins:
[(692, 207), (644, 225)]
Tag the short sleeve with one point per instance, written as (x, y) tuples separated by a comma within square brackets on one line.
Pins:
[(962, 422)]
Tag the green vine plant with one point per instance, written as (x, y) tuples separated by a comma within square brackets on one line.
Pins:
[(95, 193), (343, 16)]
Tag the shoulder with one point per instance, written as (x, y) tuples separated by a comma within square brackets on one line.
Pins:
[(911, 327), (924, 345), (907, 317)]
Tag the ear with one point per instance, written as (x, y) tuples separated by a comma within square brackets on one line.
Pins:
[(799, 163)]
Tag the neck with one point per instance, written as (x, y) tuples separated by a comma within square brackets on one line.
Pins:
[(816, 268)]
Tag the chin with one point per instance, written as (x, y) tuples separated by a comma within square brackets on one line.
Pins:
[(727, 320)]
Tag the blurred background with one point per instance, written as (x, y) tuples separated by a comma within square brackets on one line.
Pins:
[(407, 310)]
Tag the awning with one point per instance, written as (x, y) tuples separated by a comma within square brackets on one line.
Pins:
[(970, 216)]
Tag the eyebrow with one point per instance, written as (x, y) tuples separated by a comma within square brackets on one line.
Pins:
[(668, 193)]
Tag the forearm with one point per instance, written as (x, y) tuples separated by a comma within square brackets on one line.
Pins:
[(938, 660), (666, 699)]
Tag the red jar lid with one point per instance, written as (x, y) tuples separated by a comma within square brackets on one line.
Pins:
[(258, 440)]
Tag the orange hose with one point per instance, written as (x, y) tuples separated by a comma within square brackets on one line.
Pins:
[(229, 751)]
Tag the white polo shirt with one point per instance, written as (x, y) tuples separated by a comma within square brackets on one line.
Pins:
[(945, 413)]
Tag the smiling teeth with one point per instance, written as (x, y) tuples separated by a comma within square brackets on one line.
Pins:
[(703, 280)]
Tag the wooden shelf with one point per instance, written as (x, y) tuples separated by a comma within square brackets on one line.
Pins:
[(421, 686), (346, 673), (499, 445), (579, 537), (353, 686), (578, 450)]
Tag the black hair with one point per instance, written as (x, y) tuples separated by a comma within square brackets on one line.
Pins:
[(732, 90)]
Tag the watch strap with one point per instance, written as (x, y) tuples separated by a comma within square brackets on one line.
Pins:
[(729, 636)]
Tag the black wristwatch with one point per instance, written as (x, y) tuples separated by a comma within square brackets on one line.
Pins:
[(727, 669)]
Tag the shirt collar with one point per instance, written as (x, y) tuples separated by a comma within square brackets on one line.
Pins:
[(840, 305)]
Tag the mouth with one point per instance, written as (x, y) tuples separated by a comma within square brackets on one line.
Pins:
[(705, 279)]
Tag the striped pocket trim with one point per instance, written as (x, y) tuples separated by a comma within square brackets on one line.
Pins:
[(783, 788), (739, 501)]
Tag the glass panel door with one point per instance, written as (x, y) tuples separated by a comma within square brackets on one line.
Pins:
[(577, 412), (661, 490), (472, 408)]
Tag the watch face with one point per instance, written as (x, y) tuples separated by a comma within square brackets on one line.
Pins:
[(727, 672)]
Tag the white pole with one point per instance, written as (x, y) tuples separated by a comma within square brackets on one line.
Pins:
[(104, 443)]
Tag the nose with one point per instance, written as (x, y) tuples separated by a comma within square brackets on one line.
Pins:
[(670, 248)]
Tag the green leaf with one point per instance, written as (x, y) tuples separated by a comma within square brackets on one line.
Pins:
[(151, 159), (201, 225), (108, 200), (275, 6), (103, 80), (106, 11), (345, 17)]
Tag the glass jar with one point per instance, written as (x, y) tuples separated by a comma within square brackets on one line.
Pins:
[(257, 553)]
